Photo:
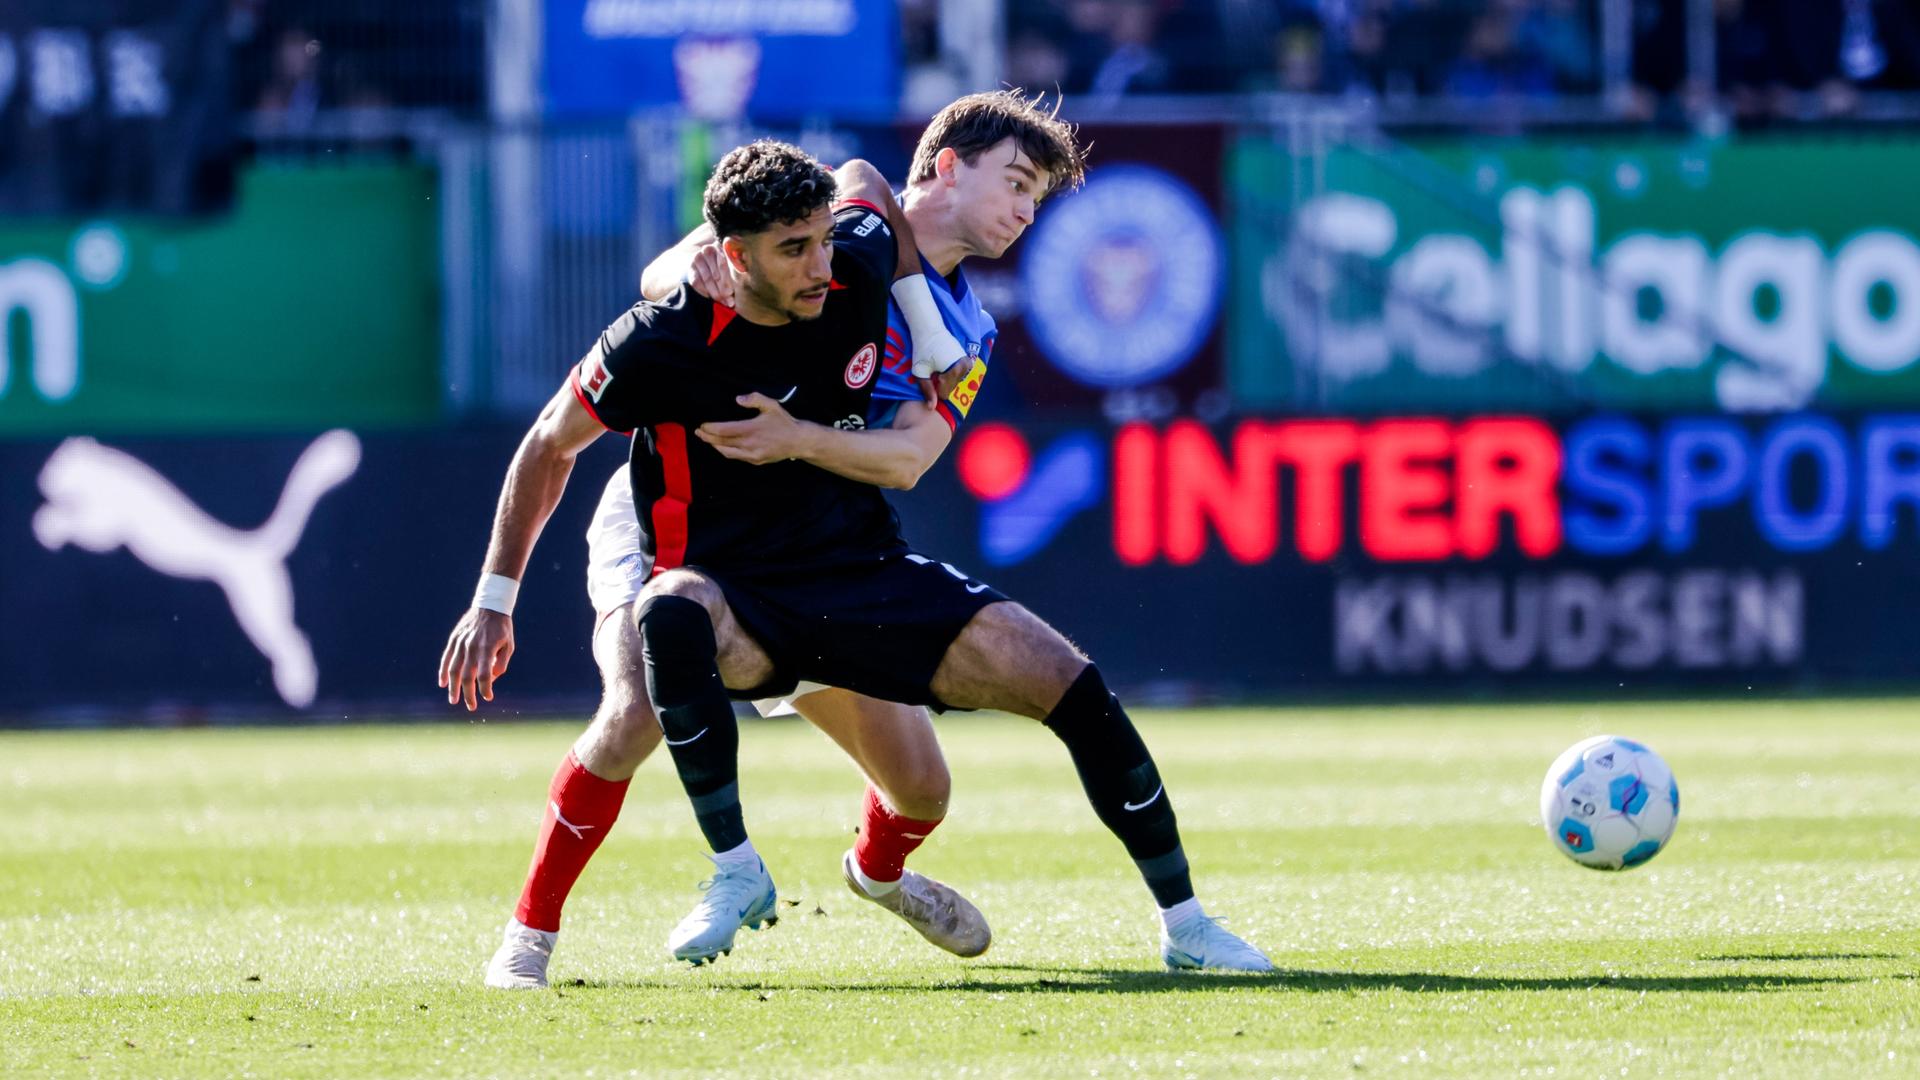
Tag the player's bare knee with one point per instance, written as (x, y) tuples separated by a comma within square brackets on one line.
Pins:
[(687, 585), (631, 732), (929, 788)]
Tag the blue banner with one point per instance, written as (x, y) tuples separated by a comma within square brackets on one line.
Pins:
[(723, 59)]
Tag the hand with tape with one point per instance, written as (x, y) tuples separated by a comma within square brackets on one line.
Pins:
[(935, 349)]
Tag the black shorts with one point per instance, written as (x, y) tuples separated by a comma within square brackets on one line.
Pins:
[(878, 627)]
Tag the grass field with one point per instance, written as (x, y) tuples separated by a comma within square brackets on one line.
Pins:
[(320, 902)]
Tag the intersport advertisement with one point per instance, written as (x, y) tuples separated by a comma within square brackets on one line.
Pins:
[(1407, 553)]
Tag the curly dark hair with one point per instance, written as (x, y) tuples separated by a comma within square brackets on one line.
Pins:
[(763, 184), (977, 122)]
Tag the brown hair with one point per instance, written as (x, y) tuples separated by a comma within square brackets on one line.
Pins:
[(763, 184), (977, 122)]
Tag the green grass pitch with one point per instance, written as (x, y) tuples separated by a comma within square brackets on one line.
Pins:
[(320, 902)]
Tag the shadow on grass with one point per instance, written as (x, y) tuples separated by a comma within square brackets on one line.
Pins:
[(1024, 979), (1785, 957)]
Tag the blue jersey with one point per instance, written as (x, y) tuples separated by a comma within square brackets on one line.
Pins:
[(969, 322)]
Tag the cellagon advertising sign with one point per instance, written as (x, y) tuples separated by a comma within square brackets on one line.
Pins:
[(722, 59), (1482, 550), (315, 303), (1752, 276)]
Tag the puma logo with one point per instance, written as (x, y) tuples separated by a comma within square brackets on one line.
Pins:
[(100, 499), (579, 831)]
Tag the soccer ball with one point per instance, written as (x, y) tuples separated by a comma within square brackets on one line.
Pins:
[(1609, 803)]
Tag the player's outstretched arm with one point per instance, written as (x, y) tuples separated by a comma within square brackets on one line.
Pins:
[(481, 644), (859, 181), (892, 457)]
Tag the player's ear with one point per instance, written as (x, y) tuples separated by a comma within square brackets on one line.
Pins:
[(736, 252), (946, 165)]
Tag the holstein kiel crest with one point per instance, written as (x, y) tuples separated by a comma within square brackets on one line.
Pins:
[(1124, 278)]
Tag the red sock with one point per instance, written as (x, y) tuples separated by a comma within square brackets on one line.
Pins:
[(581, 807), (886, 839)]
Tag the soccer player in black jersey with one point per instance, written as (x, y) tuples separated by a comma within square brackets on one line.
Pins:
[(982, 168), (769, 574)]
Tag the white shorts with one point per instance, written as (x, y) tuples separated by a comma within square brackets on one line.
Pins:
[(617, 570)]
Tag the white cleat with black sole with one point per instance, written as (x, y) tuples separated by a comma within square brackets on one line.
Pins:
[(734, 897), (936, 910), (520, 963), (1202, 944)]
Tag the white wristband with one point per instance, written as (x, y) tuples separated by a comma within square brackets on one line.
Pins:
[(934, 346), (496, 592)]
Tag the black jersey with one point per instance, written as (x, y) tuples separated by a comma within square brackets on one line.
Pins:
[(663, 369)]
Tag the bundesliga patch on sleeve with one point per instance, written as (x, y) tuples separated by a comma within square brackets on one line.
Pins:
[(594, 376), (962, 397)]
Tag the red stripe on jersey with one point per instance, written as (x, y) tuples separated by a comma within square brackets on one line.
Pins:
[(670, 509), (722, 315), (894, 337), (833, 286), (946, 413), (844, 203), (586, 402)]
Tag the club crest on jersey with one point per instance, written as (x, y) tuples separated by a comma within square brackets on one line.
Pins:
[(860, 368), (594, 376)]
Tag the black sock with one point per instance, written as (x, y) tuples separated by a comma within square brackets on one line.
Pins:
[(1118, 774), (696, 716)]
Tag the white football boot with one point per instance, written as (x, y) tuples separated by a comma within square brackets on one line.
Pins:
[(1202, 943), (520, 963), (936, 910), (735, 897)]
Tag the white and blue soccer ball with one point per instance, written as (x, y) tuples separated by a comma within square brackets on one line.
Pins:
[(1609, 803)]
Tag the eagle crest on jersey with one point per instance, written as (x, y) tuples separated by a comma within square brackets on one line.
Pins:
[(860, 368)]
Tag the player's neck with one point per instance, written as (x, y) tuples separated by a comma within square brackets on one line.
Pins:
[(934, 234)]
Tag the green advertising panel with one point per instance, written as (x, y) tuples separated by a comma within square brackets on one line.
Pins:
[(315, 303), (1578, 271)]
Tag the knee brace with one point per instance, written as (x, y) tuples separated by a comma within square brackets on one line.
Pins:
[(676, 638)]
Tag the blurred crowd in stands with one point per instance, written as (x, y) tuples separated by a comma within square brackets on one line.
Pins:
[(1775, 59), (293, 58)]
